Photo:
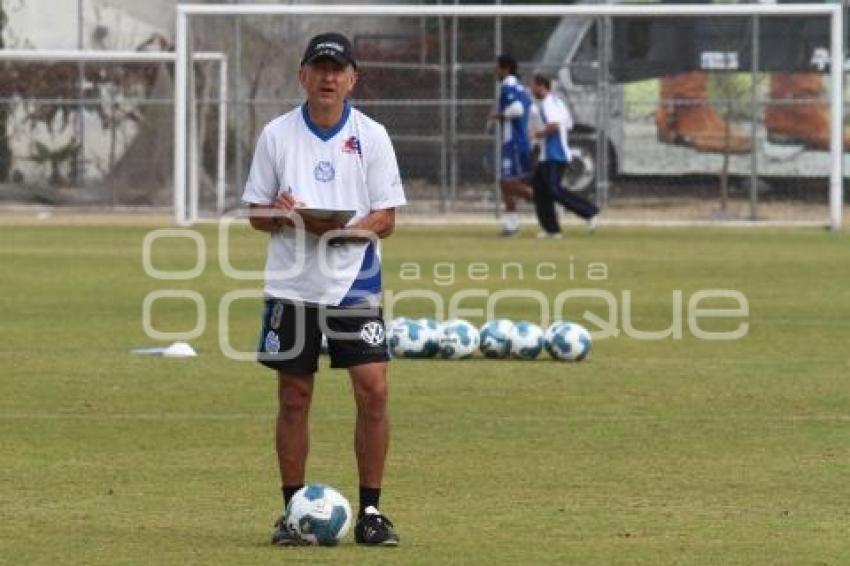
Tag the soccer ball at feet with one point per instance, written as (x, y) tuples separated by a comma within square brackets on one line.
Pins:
[(319, 515)]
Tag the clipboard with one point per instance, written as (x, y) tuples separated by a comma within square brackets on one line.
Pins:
[(342, 216)]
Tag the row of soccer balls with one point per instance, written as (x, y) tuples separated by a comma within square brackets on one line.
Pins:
[(500, 338)]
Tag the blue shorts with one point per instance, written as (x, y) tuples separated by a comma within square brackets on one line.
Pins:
[(515, 162)]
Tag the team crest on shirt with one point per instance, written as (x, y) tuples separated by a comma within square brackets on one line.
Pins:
[(352, 145), (372, 333), (324, 172)]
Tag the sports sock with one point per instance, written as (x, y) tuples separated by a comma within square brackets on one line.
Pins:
[(288, 492), (369, 497), (511, 220)]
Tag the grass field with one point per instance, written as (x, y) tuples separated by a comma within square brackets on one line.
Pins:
[(651, 452)]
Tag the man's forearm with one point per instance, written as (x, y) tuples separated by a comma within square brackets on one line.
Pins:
[(268, 220), (548, 130), (273, 219), (380, 222)]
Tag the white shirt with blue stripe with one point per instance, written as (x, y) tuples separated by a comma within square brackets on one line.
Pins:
[(351, 166), (554, 146)]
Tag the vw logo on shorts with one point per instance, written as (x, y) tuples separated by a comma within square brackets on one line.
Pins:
[(324, 171), (372, 333)]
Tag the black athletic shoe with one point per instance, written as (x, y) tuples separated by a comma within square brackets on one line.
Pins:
[(375, 529), (284, 536)]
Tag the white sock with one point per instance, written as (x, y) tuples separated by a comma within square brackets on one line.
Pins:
[(510, 220)]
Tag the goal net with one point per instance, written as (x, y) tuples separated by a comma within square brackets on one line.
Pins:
[(93, 129), (681, 113)]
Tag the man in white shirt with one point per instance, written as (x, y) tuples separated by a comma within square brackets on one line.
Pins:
[(555, 121), (323, 273)]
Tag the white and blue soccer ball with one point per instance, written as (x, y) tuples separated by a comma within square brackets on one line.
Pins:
[(409, 338), (495, 338), (526, 340), (435, 331), (459, 339), (394, 328), (568, 341), (431, 324), (319, 515)]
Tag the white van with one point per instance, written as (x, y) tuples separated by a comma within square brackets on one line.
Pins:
[(627, 128)]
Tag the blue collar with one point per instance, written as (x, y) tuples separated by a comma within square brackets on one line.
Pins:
[(326, 134)]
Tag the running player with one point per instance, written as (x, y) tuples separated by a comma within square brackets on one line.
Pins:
[(555, 121), (513, 111)]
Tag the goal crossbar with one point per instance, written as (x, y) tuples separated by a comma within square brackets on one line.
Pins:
[(75, 55), (482, 10), (184, 56)]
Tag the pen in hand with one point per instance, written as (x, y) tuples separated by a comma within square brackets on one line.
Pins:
[(285, 200)]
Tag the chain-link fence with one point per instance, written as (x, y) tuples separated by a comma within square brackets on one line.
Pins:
[(734, 137)]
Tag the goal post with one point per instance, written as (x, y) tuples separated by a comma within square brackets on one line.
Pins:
[(82, 56), (185, 146)]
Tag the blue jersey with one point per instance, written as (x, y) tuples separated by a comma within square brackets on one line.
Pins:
[(515, 129)]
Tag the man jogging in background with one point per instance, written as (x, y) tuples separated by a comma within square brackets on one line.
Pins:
[(553, 159), (514, 105)]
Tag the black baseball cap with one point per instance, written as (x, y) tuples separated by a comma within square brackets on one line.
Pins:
[(334, 46)]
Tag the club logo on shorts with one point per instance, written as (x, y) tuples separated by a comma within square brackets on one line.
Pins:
[(272, 342), (324, 172), (372, 333)]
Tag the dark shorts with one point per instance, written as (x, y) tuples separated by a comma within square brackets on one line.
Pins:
[(516, 162), (291, 336)]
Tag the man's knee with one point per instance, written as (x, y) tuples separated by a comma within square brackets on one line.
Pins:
[(372, 395), (294, 395)]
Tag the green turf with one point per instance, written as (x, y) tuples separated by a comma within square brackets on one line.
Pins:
[(676, 451)]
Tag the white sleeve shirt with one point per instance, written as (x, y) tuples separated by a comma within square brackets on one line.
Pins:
[(554, 111), (351, 166)]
